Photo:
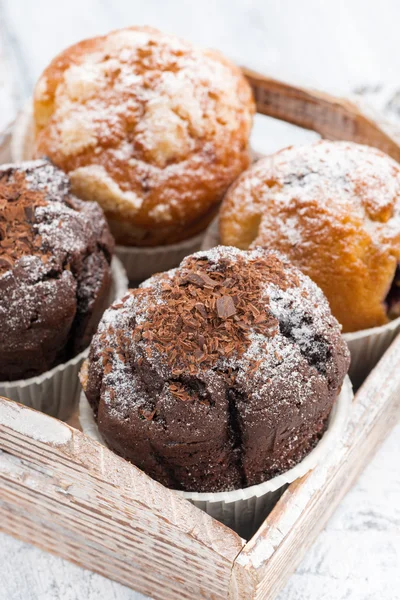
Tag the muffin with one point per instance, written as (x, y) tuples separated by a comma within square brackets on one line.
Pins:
[(219, 374), (333, 209), (55, 253), (149, 126)]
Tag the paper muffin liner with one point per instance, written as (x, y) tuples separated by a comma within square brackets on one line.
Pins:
[(245, 509), (139, 262), (211, 237), (56, 392), (142, 262), (366, 346)]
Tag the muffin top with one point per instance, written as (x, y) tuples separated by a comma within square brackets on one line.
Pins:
[(191, 374), (333, 208), (55, 253), (152, 127)]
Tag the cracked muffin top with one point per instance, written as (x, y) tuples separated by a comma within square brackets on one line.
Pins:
[(333, 208), (219, 374), (148, 125), (55, 254)]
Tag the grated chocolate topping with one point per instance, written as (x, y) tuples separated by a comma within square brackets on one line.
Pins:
[(220, 358), (55, 254), (208, 311)]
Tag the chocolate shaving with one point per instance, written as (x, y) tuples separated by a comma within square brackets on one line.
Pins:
[(225, 307), (202, 309), (147, 414), (199, 279), (208, 282), (192, 320), (17, 217), (229, 282), (194, 278), (29, 213), (6, 262)]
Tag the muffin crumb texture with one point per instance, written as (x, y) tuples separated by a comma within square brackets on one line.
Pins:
[(55, 254), (219, 374)]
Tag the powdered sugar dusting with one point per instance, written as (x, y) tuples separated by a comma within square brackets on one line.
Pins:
[(148, 111), (55, 252), (55, 222), (41, 175), (303, 309), (333, 208), (337, 177), (289, 366)]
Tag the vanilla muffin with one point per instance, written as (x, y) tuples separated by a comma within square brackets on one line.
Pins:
[(151, 127), (333, 208)]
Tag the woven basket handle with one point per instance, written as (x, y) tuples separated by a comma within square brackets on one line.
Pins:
[(333, 118)]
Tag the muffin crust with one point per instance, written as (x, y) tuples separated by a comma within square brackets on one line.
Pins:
[(55, 253), (219, 374), (149, 126), (333, 208)]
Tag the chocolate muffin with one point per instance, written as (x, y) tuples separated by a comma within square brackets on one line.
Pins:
[(55, 276), (219, 374)]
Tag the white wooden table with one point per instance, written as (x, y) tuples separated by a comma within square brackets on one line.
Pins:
[(333, 45)]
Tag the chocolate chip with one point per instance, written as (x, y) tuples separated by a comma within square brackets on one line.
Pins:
[(201, 308)]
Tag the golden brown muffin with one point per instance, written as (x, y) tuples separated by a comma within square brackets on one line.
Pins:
[(334, 209), (151, 127)]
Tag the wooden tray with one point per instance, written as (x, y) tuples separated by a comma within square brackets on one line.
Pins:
[(71, 496)]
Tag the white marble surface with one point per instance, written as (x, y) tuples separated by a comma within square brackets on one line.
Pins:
[(335, 46)]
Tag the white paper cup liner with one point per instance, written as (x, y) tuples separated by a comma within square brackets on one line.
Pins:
[(366, 346), (211, 237), (56, 392), (142, 262), (139, 262), (245, 509)]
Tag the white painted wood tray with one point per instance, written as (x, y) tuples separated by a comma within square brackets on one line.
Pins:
[(71, 496)]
